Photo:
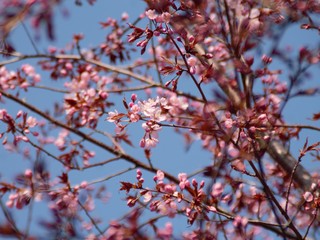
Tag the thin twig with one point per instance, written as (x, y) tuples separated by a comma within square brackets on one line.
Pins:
[(116, 69), (100, 163), (155, 58), (291, 182), (111, 176), (19, 235), (272, 198), (29, 37), (87, 137), (313, 219), (91, 219), (297, 126)]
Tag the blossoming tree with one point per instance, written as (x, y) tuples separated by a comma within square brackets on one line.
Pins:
[(212, 72)]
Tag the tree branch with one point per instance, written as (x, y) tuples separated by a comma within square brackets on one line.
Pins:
[(86, 137)]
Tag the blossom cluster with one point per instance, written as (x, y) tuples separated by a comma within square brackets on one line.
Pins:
[(223, 81), (23, 78), (153, 112), (85, 107)]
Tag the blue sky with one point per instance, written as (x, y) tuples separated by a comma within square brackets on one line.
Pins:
[(169, 155)]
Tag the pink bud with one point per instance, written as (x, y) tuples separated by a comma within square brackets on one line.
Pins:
[(124, 16), (168, 188), (142, 143), (202, 184), (103, 95), (19, 114), (68, 66), (134, 97), (194, 183), (191, 39), (252, 129), (266, 59), (84, 184), (28, 173), (10, 204), (139, 174)]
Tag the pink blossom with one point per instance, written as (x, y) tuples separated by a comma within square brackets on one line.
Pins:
[(21, 137), (275, 100), (28, 69), (308, 196), (124, 16), (228, 123), (31, 121), (91, 92), (147, 197), (69, 66), (36, 78), (150, 127), (165, 17), (192, 61), (180, 102), (112, 116), (160, 175), (166, 232), (169, 189), (152, 108), (119, 128), (232, 151), (168, 209), (85, 76), (240, 222), (28, 173), (281, 88), (134, 117), (151, 14), (60, 141), (84, 184), (263, 118), (184, 182), (24, 85), (3, 114), (135, 108), (150, 142), (217, 190)]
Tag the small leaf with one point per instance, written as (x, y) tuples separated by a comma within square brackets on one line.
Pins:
[(126, 186), (71, 102), (316, 116), (125, 104), (143, 50), (64, 178)]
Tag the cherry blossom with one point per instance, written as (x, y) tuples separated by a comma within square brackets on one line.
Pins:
[(220, 75)]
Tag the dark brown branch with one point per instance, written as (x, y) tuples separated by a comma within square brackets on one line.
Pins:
[(301, 177)]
